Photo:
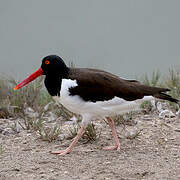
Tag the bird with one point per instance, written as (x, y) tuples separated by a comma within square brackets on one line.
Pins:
[(93, 93)]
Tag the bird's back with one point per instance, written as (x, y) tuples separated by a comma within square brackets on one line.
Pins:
[(97, 85)]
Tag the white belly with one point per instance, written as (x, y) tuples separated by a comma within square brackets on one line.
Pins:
[(95, 109)]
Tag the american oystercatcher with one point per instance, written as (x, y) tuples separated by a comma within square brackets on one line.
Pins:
[(93, 94)]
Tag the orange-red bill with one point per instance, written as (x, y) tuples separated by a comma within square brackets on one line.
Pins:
[(30, 78)]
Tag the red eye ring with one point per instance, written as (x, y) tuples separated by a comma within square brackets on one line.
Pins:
[(47, 62)]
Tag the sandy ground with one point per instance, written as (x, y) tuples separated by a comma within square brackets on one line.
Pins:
[(153, 154)]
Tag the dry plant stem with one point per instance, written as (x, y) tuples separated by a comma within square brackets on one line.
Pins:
[(115, 136), (76, 139)]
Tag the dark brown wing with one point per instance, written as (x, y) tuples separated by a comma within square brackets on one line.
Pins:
[(97, 85)]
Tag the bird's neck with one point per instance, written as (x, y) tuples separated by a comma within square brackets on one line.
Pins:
[(53, 85), (53, 82)]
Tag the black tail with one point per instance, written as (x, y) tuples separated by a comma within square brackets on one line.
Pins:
[(164, 96)]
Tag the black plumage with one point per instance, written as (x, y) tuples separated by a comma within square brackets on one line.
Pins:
[(96, 85)]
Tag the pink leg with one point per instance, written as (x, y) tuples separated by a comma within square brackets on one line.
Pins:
[(115, 136), (69, 149)]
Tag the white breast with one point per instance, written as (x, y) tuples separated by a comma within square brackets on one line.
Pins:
[(98, 109)]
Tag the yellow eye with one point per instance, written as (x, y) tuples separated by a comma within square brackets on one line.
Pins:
[(47, 62)]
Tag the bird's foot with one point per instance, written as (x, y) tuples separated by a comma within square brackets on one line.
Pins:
[(61, 152), (115, 147), (69, 149)]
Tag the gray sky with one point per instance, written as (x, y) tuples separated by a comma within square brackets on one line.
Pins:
[(125, 37)]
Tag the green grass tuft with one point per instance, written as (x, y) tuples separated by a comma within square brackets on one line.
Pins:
[(153, 81), (89, 135), (1, 149), (49, 134)]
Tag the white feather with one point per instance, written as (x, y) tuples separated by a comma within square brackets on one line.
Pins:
[(90, 110)]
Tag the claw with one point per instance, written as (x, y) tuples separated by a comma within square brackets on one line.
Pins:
[(61, 152)]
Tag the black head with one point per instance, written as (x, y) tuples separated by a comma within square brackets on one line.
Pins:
[(53, 65), (55, 70)]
